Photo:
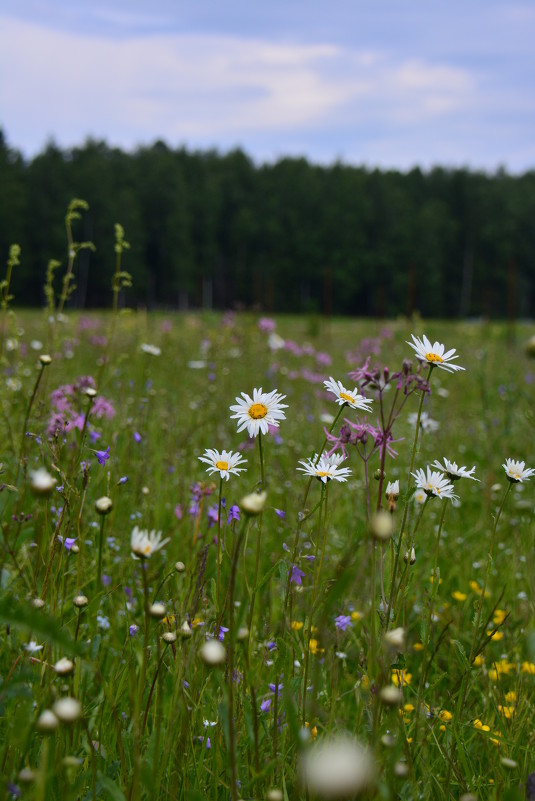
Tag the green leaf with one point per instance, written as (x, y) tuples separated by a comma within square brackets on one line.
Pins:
[(110, 788)]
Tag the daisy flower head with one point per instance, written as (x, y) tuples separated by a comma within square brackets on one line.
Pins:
[(433, 354), (392, 489), (325, 468), (226, 463), (347, 397), (143, 544), (517, 472), (453, 472), (434, 484), (256, 414)]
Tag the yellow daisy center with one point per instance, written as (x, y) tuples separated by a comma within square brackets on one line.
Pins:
[(323, 473), (222, 465), (147, 549), (433, 357), (347, 397), (257, 411)]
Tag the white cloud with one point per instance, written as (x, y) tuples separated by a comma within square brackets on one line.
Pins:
[(221, 90)]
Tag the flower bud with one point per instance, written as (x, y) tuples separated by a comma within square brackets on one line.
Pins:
[(80, 601), (395, 638), (157, 611), (67, 710), (64, 666), (169, 637), (390, 695), (180, 567), (42, 482), (45, 359), (410, 557), (47, 722), (104, 505)]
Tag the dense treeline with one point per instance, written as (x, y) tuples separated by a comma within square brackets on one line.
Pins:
[(212, 229)]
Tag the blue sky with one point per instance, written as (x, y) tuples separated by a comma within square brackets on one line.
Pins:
[(387, 83)]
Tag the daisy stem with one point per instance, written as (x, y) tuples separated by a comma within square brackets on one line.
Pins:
[(261, 456), (218, 565), (417, 432), (487, 574), (230, 667), (429, 618), (394, 592), (300, 519), (145, 632)]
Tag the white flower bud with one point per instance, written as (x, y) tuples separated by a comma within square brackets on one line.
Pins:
[(104, 505), (67, 710), (213, 653), (254, 503)]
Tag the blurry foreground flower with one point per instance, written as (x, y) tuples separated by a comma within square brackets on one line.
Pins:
[(434, 354), (42, 482), (152, 350), (223, 462), (253, 504), (143, 544), (256, 414), (325, 468), (453, 472), (338, 768), (434, 484), (67, 710), (516, 472), (213, 653), (349, 397), (32, 647)]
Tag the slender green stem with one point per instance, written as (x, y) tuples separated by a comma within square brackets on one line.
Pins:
[(27, 417), (218, 556), (100, 542)]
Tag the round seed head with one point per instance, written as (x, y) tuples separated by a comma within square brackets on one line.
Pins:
[(104, 505), (67, 709), (336, 769), (157, 611), (213, 653), (80, 601)]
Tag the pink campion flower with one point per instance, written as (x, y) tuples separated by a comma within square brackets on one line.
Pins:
[(266, 324), (102, 408)]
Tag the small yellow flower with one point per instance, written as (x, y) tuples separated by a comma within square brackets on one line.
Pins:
[(499, 616), (459, 596), (495, 635), (401, 677), (356, 615), (506, 711), (445, 715), (511, 697), (442, 727), (474, 586), (432, 580), (479, 660), (418, 646), (501, 668), (528, 667), (477, 724), (314, 647), (296, 625), (197, 621), (409, 707)]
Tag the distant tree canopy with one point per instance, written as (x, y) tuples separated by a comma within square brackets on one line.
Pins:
[(217, 230)]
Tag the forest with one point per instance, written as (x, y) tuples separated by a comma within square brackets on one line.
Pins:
[(215, 230)]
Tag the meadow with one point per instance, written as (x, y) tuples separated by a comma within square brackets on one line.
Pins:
[(317, 609)]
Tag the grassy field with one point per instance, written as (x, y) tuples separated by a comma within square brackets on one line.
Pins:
[(287, 637)]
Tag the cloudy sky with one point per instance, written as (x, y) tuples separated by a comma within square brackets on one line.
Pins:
[(388, 83)]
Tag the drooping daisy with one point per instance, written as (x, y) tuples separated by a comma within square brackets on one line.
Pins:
[(349, 397), (516, 472), (143, 544), (434, 484), (434, 354), (392, 489), (152, 350), (325, 468), (453, 472), (223, 462), (256, 414)]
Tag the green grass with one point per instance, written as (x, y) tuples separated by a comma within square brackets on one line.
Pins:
[(148, 707)]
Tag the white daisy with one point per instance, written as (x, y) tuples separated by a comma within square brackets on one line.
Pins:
[(256, 414), (32, 647), (434, 484), (223, 462), (152, 350), (143, 544), (516, 472), (325, 468), (347, 397), (392, 489), (427, 424), (453, 472), (434, 354)]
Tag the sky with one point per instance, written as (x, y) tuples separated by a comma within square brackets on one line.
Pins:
[(381, 83)]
